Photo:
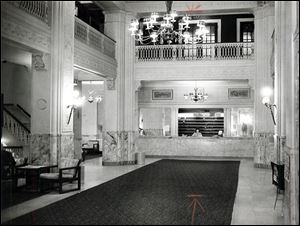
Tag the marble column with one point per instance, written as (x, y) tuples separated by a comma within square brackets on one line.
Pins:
[(62, 47), (287, 101), (120, 128), (263, 128)]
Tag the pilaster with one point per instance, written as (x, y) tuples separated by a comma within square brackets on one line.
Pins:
[(287, 101), (40, 105), (62, 144), (263, 128), (120, 129)]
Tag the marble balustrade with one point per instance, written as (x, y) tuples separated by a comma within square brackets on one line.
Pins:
[(196, 146)]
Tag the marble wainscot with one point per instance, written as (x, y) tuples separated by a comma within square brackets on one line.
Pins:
[(118, 148), (241, 147)]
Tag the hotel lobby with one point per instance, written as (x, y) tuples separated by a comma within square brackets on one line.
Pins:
[(141, 112)]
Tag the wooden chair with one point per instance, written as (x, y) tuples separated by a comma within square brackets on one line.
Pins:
[(68, 172), (277, 178)]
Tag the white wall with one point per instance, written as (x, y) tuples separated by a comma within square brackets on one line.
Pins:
[(217, 94), (16, 85), (90, 114)]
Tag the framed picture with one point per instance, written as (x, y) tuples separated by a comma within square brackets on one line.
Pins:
[(238, 93), (162, 94)]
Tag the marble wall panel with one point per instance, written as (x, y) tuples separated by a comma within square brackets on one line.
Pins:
[(189, 146), (67, 147), (39, 149), (44, 148), (153, 132), (264, 150), (118, 147)]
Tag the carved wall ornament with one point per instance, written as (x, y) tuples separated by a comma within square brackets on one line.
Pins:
[(38, 61), (138, 85), (41, 104), (111, 84)]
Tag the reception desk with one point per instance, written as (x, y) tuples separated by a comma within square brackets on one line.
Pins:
[(196, 146)]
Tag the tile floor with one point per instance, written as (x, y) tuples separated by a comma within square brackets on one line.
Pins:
[(254, 203)]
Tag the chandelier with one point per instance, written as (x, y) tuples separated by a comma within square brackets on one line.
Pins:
[(91, 98), (197, 96), (163, 30)]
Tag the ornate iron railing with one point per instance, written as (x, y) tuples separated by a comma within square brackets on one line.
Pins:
[(39, 9), (15, 127), (94, 38), (215, 51)]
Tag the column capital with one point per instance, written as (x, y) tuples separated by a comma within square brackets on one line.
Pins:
[(114, 16), (264, 11)]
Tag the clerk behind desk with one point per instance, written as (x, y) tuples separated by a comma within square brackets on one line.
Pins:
[(197, 134)]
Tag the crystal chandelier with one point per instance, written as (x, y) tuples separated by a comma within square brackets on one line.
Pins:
[(197, 96), (163, 30)]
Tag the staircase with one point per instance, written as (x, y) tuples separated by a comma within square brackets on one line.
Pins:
[(16, 125)]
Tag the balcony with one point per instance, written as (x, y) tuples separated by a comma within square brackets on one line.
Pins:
[(93, 38), (38, 9), (93, 50), (215, 51)]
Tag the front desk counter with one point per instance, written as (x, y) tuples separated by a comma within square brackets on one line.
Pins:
[(242, 147)]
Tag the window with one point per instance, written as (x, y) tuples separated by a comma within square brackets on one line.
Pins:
[(245, 34), (211, 37), (247, 31)]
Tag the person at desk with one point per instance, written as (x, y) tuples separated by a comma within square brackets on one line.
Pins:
[(197, 134)]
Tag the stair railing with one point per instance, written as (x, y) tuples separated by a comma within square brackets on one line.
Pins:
[(15, 127)]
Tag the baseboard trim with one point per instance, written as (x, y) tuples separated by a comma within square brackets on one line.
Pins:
[(122, 163), (196, 157)]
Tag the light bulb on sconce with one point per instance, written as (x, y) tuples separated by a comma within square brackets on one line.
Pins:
[(266, 93), (77, 101), (266, 101)]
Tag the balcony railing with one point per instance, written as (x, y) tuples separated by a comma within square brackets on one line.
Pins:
[(38, 9), (93, 38), (216, 51)]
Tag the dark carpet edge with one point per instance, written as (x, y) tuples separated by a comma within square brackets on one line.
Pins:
[(133, 171)]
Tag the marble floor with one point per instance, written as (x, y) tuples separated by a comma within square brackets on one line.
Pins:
[(254, 203)]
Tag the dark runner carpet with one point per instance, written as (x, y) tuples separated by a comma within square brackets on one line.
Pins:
[(155, 194)]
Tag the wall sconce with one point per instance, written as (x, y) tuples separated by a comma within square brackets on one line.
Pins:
[(266, 101), (77, 102)]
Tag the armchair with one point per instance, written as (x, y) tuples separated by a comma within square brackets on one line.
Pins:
[(68, 172)]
